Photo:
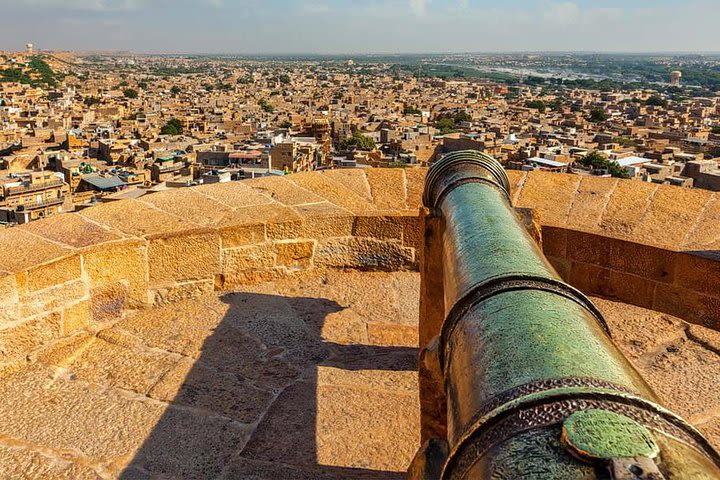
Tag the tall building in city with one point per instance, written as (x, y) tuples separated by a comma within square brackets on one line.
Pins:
[(675, 77), (29, 48)]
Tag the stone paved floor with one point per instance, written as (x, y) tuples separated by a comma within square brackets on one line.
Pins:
[(297, 379)]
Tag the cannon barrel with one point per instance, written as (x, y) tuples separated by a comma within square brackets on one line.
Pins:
[(534, 385)]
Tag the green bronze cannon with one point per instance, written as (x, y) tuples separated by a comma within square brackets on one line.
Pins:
[(519, 376)]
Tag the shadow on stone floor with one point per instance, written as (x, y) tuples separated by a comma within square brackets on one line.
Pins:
[(268, 398)]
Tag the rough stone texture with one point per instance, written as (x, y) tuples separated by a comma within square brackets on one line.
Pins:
[(136, 218), (366, 253), (359, 219), (119, 262), (705, 232), (589, 202), (20, 250), (187, 203), (184, 257), (550, 194), (234, 194), (334, 192), (54, 273), (73, 230), (355, 180), (276, 381), (180, 390), (387, 187), (627, 207)]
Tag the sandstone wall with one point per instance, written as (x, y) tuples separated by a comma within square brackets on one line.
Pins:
[(623, 239)]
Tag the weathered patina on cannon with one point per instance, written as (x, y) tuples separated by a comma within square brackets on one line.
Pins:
[(522, 379)]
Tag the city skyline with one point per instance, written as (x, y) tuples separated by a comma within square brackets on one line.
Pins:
[(360, 26)]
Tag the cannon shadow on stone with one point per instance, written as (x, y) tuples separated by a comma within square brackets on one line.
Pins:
[(268, 398)]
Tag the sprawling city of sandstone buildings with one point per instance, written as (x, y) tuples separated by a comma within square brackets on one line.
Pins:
[(77, 130), (201, 287)]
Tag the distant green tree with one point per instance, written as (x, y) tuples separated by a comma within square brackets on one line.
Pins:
[(175, 90), (284, 79), (130, 93), (359, 141), (716, 129), (123, 84), (537, 104), (265, 106), (446, 126), (90, 101), (142, 85), (409, 110), (172, 127), (462, 116), (656, 101), (598, 115), (598, 161)]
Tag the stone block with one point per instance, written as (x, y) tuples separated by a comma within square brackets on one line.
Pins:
[(54, 273), (76, 317), (517, 179), (550, 194), (18, 341), (353, 179), (234, 194), (333, 192), (626, 207), (285, 191), (631, 289), (191, 255), (312, 223), (295, 255), (181, 291), (644, 261), (590, 201), (52, 298), (412, 234), (555, 241), (62, 352), (242, 235), (73, 230), (364, 253), (415, 178), (254, 257), (707, 229), (9, 294), (697, 273), (380, 227), (671, 216), (689, 305), (188, 203), (116, 366), (21, 250), (108, 301), (119, 262), (387, 187), (136, 218)]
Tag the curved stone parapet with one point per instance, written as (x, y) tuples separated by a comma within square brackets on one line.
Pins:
[(77, 271)]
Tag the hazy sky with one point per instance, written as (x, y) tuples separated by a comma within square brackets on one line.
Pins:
[(361, 26)]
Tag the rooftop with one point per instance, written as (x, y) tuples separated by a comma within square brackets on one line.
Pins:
[(308, 378), (268, 328)]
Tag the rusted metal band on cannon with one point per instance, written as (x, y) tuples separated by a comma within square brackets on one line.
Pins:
[(509, 283), (547, 403), (552, 411)]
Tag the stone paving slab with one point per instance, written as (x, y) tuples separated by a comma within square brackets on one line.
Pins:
[(310, 378)]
